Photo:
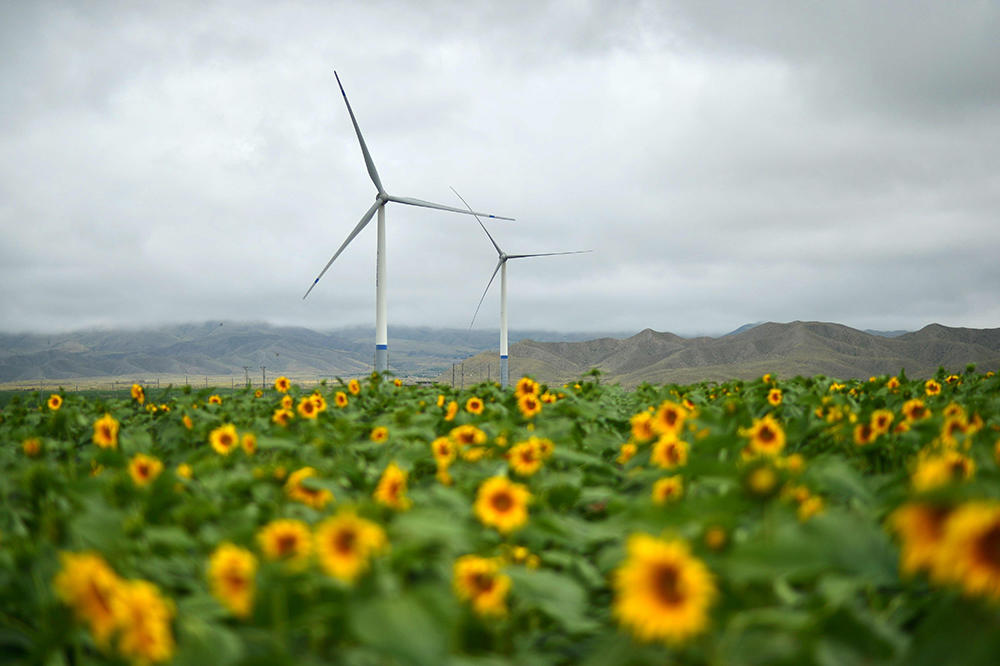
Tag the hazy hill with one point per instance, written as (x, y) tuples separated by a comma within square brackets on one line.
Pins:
[(223, 349), (796, 348)]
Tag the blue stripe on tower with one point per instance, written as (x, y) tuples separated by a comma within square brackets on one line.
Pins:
[(381, 346), (503, 355)]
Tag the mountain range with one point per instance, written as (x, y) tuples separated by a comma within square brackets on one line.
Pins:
[(796, 348), (234, 349)]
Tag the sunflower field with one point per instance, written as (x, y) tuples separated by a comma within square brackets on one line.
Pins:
[(775, 521)]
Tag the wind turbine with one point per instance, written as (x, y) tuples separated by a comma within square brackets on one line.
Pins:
[(381, 199), (502, 258)]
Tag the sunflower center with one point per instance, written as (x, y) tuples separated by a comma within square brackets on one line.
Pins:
[(226, 440), (765, 434), (143, 469), (234, 580), (344, 541), (502, 502), (286, 543), (100, 598), (988, 546), (106, 432), (666, 585), (482, 582), (393, 488)]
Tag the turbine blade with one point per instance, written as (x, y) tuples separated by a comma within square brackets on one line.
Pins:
[(427, 204), (365, 219), (364, 148), (488, 235), (483, 297), (545, 254)]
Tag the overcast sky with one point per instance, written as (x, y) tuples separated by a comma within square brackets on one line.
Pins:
[(728, 162)]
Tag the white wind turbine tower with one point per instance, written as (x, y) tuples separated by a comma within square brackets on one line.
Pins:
[(381, 199), (502, 258)]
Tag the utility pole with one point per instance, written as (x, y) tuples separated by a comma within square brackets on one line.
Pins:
[(463, 374), (246, 374), (263, 376)]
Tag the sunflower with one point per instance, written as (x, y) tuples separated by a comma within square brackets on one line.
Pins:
[(478, 581), (669, 418), (881, 421), (668, 489), (143, 617), (444, 450), (340, 399), (810, 507), (298, 492), (954, 410), (502, 504), (451, 411), (144, 469), (186, 420), (474, 405), (184, 471), (224, 439), (55, 402), (258, 393), (282, 416), (526, 385), (864, 433), (669, 452), (626, 453), (106, 432), (319, 401), (286, 540), (525, 458), (397, 382), (215, 400), (921, 529), (932, 387), (529, 404), (248, 442), (307, 408), (662, 592), (391, 489), (379, 434), (467, 435), (88, 585), (138, 393), (231, 572), (892, 384), (970, 554), (761, 480), (345, 544), (934, 470), (354, 386), (915, 410), (287, 402), (766, 435), (774, 397), (440, 400), (642, 427), (31, 447), (281, 384)]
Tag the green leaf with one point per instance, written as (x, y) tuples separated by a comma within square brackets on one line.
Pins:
[(402, 627), (558, 596)]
